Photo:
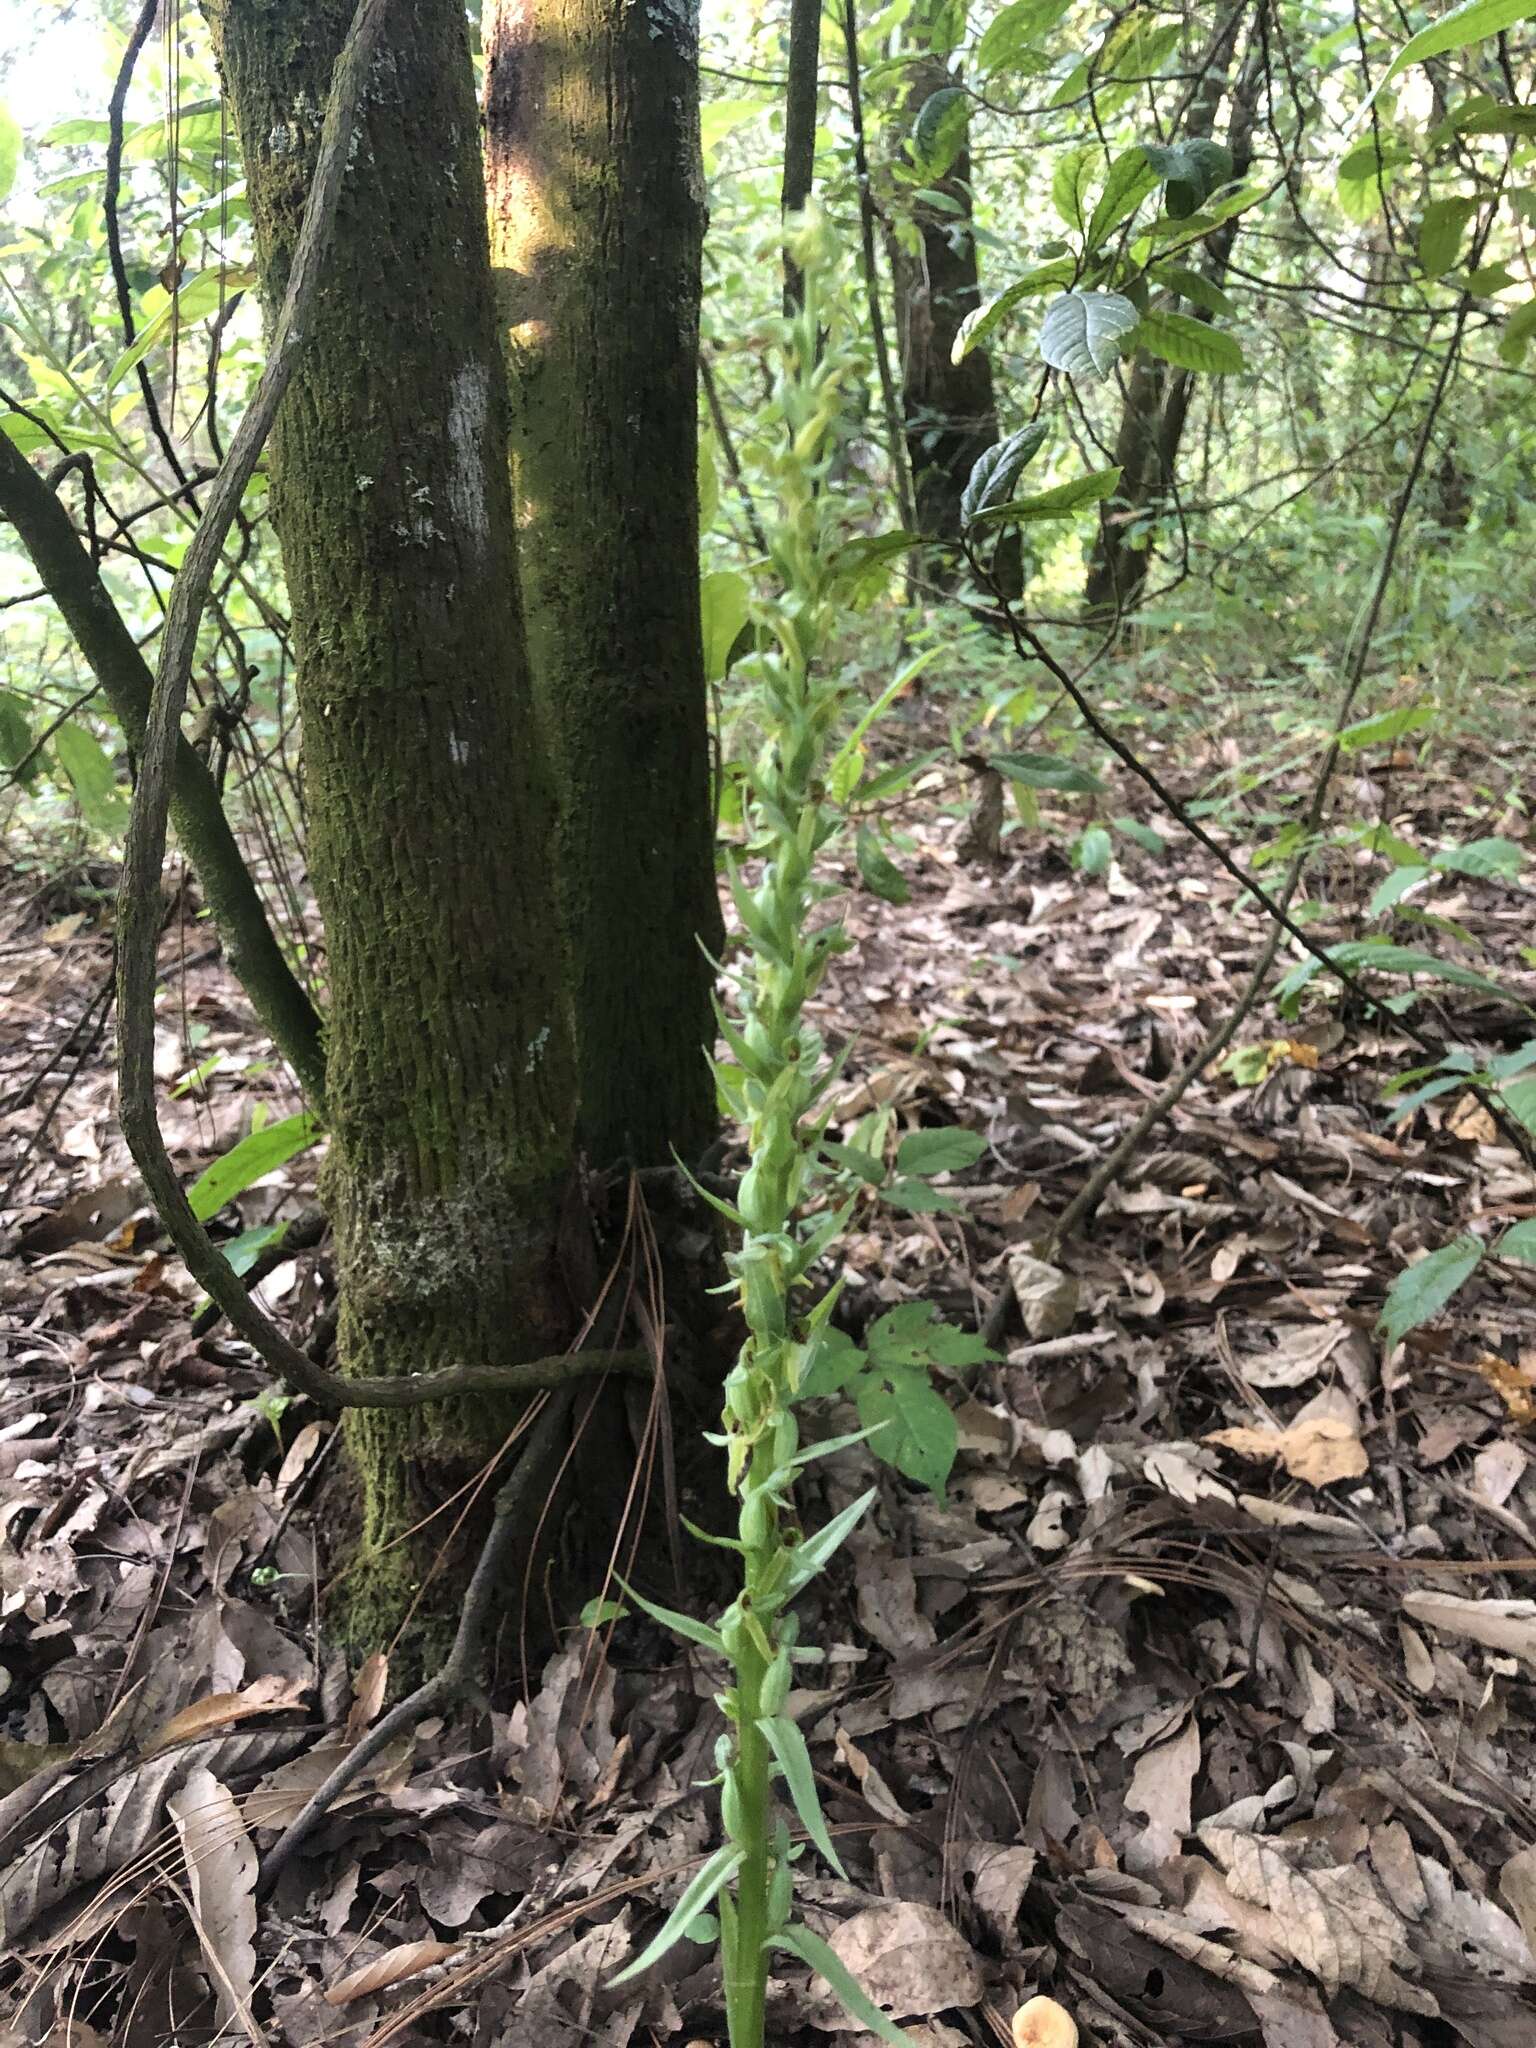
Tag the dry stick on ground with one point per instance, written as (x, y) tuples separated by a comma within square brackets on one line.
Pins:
[(144, 850), (459, 1673), (1216, 1042)]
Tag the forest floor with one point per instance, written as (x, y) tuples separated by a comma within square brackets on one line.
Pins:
[(1203, 1702)]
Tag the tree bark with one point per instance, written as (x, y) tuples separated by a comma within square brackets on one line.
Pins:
[(800, 101), (950, 409), (597, 216), (451, 1068)]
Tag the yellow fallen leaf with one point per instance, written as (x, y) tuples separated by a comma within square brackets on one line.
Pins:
[(1318, 1451)]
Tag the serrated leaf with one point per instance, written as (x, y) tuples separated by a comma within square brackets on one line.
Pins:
[(1421, 1291), (997, 469), (784, 1738), (700, 1892), (1084, 332), (811, 1949), (260, 1153), (1046, 771), (1190, 344), (945, 1151)]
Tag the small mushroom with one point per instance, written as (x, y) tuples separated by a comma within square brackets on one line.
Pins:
[(1042, 2023)]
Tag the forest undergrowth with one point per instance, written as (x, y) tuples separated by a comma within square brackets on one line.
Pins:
[(1201, 1700)]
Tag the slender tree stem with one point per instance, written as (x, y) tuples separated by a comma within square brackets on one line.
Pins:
[(800, 102)]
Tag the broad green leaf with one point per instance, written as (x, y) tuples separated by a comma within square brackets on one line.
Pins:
[(725, 603), (1519, 1242), (1093, 851), (1057, 503), (997, 469), (1191, 170), (10, 152), (1518, 329), (978, 325), (720, 118), (1383, 726), (1519, 1098), (1144, 836), (1366, 956), (1189, 344), (1074, 173), (15, 731), (93, 777), (1482, 857), (938, 134), (1396, 887), (861, 568), (811, 1949), (260, 1153), (699, 1893), (1440, 233), (1131, 178), (1191, 285), (835, 1361), (1422, 1290), (1084, 332), (945, 1151), (1046, 771), (1479, 114), (1469, 23), (918, 1198), (794, 1760), (1011, 37), (877, 871)]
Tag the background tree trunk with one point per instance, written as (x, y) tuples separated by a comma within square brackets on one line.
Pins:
[(1157, 395), (450, 1077), (950, 408), (597, 218)]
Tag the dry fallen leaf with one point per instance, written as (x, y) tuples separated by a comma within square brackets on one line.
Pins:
[(221, 1875), (1042, 2023), (368, 1689), (909, 1960), (1508, 1626), (1047, 1297), (223, 1709), (393, 1967), (1318, 1451)]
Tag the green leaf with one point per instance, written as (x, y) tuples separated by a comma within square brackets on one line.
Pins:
[(1070, 181), (1084, 332), (598, 1612), (1395, 887), (1519, 1098), (1144, 836), (809, 1558), (1440, 233), (794, 1760), (1384, 726), (945, 1151), (1518, 329), (997, 469), (1011, 38), (1368, 956), (878, 873), (700, 1892), (725, 603), (835, 1361), (1191, 170), (1046, 771), (15, 732), (861, 568), (10, 152), (1190, 344), (1482, 858), (1422, 1290), (1189, 284), (1469, 23), (938, 134), (1093, 851), (260, 1153), (1519, 1242), (978, 324), (920, 1437), (1131, 178), (811, 1949), (93, 777), (1057, 503), (698, 1632), (919, 1199)]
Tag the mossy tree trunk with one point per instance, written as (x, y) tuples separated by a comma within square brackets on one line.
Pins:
[(451, 1070), (597, 216)]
